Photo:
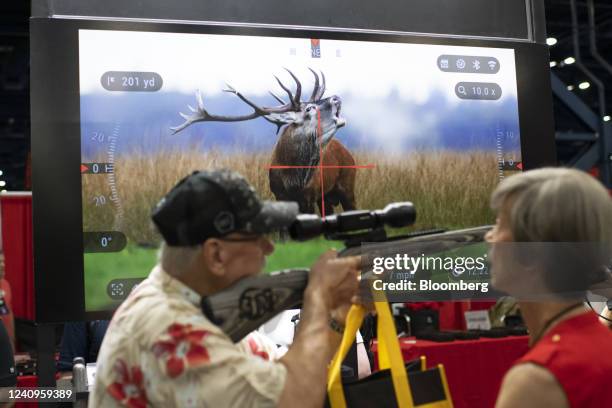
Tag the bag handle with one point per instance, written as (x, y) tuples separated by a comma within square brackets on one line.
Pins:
[(389, 355), (354, 320)]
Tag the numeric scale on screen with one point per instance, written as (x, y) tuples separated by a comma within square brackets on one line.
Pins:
[(101, 241)]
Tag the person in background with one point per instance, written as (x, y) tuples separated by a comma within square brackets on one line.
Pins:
[(161, 350), (8, 374), (81, 339), (6, 307), (568, 364), (281, 329), (504, 307)]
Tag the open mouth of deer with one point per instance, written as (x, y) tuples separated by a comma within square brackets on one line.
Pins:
[(338, 120)]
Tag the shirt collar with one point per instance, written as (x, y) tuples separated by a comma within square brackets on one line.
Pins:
[(175, 287)]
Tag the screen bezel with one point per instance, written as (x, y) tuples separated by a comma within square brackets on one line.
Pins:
[(56, 136)]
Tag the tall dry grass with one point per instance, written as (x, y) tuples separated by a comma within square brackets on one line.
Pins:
[(449, 189)]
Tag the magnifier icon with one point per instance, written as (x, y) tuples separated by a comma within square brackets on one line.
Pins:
[(461, 90)]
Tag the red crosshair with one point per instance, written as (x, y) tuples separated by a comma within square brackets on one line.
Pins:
[(320, 166)]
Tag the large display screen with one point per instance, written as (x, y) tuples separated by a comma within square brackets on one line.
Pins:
[(333, 121), (434, 124)]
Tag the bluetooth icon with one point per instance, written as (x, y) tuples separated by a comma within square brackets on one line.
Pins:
[(476, 64)]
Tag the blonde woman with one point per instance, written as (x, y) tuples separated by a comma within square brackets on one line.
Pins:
[(569, 363)]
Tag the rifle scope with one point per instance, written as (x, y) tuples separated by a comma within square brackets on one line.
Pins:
[(308, 226)]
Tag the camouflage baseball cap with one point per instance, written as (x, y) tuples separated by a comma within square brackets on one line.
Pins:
[(209, 204)]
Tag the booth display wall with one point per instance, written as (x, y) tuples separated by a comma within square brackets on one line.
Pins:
[(53, 128), (64, 216), (517, 19)]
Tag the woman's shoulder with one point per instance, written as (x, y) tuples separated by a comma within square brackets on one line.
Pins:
[(530, 385)]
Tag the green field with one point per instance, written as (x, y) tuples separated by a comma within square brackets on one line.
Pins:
[(137, 262)]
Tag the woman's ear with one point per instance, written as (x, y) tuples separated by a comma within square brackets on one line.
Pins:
[(213, 254)]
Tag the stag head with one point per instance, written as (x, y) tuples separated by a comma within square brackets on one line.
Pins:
[(316, 116)]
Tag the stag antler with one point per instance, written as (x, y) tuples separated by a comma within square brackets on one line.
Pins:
[(279, 115), (317, 92), (294, 100), (201, 114)]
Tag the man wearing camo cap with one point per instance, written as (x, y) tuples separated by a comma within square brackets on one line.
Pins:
[(160, 350)]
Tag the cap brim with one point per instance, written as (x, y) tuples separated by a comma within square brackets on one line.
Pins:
[(274, 216)]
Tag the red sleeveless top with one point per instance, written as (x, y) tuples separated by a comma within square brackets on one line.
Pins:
[(578, 352)]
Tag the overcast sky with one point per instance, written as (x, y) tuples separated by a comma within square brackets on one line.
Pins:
[(188, 62)]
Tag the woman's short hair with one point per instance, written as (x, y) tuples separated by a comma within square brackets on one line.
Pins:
[(556, 205), (565, 207)]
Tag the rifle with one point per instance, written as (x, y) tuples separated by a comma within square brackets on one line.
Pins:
[(252, 301)]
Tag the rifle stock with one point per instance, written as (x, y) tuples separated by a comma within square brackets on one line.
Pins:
[(252, 301)]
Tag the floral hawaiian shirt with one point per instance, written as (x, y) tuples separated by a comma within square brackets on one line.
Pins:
[(161, 351)]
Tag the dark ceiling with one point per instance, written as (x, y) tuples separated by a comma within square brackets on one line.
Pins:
[(559, 25), (592, 35), (14, 76)]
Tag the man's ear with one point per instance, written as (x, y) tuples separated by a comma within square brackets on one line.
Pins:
[(213, 256)]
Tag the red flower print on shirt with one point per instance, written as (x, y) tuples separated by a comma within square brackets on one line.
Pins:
[(129, 390), (256, 350), (184, 348)]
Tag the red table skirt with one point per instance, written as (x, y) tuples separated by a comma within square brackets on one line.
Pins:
[(474, 368)]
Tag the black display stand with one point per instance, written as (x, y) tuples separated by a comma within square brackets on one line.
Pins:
[(45, 345)]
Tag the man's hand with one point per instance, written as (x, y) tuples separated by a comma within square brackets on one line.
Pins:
[(332, 283), (336, 281)]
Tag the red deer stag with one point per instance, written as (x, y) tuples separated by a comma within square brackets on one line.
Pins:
[(307, 135)]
